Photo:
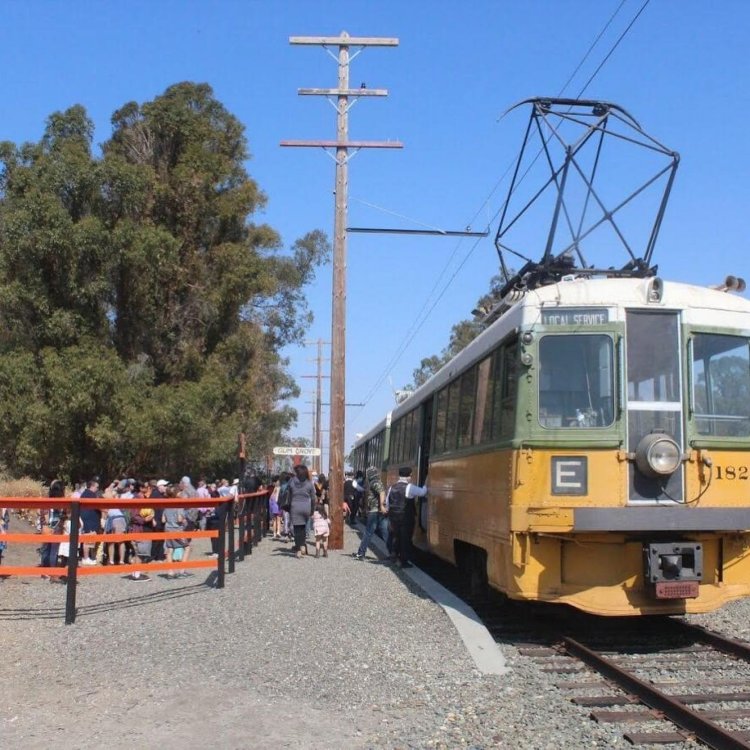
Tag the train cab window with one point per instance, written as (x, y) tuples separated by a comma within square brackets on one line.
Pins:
[(576, 381), (653, 357), (721, 385)]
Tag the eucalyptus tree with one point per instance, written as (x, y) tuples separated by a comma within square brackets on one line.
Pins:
[(142, 308)]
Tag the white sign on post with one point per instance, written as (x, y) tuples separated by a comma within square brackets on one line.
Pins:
[(295, 450)]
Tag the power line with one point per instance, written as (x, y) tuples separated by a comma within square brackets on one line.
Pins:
[(614, 47)]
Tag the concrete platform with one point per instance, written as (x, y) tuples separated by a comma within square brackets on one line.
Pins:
[(482, 647)]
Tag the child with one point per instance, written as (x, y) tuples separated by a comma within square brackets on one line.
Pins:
[(322, 527), (274, 510), (63, 552)]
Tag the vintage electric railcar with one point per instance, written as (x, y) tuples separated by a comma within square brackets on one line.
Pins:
[(590, 447)]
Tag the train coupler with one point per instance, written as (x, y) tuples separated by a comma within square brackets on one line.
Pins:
[(673, 570)]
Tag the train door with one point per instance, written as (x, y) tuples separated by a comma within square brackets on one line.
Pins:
[(423, 459), (654, 398)]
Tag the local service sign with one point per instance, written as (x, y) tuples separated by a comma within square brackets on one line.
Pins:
[(575, 316)]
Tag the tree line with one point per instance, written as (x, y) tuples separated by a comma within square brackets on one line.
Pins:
[(142, 308)]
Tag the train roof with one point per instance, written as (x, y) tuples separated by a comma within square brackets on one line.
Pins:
[(709, 304), (381, 425)]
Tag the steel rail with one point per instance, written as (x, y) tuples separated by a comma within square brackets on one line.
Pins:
[(678, 713), (730, 646)]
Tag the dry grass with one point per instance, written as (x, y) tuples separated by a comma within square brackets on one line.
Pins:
[(23, 487)]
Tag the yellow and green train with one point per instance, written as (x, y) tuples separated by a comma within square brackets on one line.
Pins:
[(590, 447)]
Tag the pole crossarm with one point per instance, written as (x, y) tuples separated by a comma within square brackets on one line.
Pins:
[(344, 40), (343, 144), (343, 92), (430, 232)]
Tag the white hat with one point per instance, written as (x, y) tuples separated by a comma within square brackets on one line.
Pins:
[(236, 481), (162, 483), (185, 480)]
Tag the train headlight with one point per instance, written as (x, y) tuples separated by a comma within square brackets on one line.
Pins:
[(658, 455)]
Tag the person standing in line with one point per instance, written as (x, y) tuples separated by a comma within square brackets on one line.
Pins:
[(284, 507), (140, 523), (204, 512), (158, 493), (402, 512), (116, 524), (92, 520), (49, 550), (375, 509), (359, 493), (178, 548), (301, 507), (350, 511), (186, 488)]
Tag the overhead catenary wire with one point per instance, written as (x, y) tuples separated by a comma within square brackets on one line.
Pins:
[(427, 308)]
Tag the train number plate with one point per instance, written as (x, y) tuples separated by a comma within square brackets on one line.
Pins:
[(677, 589)]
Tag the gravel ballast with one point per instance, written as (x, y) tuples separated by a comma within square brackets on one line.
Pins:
[(323, 653)]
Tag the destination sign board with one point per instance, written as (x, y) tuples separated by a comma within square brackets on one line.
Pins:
[(575, 316), (295, 450)]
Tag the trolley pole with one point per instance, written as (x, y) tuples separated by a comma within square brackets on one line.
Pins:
[(341, 145)]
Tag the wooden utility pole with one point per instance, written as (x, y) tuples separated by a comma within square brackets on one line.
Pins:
[(318, 407), (342, 144)]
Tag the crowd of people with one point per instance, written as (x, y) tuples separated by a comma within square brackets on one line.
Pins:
[(133, 519), (298, 508), (298, 512)]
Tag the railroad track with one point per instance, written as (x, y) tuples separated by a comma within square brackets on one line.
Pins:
[(671, 677), (664, 680)]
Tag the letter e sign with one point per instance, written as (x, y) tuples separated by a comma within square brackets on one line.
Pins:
[(569, 475)]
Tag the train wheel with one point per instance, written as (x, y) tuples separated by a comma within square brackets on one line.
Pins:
[(471, 562)]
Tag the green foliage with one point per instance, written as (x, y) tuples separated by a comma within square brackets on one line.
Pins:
[(142, 309)]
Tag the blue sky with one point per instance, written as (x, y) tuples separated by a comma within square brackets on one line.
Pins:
[(682, 71)]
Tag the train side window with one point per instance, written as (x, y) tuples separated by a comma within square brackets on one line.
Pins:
[(483, 411), (440, 421), (451, 421), (466, 406), (411, 451), (576, 381), (721, 385), (398, 441)]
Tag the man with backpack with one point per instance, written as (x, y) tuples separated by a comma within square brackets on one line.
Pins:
[(375, 508), (402, 511)]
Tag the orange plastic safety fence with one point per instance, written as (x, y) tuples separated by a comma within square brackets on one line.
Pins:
[(125, 537), (104, 570)]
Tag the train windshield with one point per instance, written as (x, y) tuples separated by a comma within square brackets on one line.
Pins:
[(721, 385), (576, 381)]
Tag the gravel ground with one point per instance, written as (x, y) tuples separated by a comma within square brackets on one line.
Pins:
[(323, 653)]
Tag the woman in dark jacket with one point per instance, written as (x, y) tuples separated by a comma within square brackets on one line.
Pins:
[(303, 502)]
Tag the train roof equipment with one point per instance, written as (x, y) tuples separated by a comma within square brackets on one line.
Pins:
[(572, 146)]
